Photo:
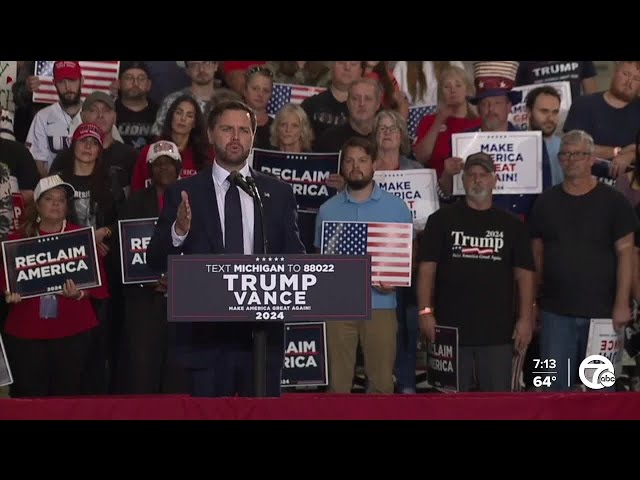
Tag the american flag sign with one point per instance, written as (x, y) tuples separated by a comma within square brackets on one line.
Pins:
[(282, 93), (97, 76), (388, 243), (415, 115)]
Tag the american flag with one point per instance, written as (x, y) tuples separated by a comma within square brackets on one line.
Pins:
[(97, 76), (415, 115), (389, 244), (282, 94)]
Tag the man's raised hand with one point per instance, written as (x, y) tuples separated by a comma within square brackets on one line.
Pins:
[(183, 222)]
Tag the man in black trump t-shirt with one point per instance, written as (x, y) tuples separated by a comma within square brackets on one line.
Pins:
[(470, 256)]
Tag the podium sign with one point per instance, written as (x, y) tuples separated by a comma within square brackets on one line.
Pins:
[(280, 288)]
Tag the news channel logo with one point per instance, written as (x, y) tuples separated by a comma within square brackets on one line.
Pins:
[(597, 372)]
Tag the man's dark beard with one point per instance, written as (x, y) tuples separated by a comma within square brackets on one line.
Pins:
[(138, 96), (358, 184), (221, 155), (65, 102)]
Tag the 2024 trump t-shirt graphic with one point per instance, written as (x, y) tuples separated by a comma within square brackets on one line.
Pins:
[(488, 247)]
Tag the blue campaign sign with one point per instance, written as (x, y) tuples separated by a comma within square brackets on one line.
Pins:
[(285, 288), (305, 355), (307, 173), (135, 235), (442, 359), (40, 265)]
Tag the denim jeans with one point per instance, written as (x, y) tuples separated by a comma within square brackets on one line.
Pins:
[(563, 339), (407, 346)]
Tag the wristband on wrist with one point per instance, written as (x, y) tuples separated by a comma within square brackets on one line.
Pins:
[(425, 311)]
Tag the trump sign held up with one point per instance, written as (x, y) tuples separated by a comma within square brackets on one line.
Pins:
[(517, 157), (135, 235), (37, 266), (418, 189), (307, 173), (289, 288)]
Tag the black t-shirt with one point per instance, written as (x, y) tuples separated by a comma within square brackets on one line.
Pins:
[(263, 134), (476, 252), (579, 259), (84, 207), (20, 163), (609, 126), (547, 72), (334, 138), (324, 111), (135, 127)]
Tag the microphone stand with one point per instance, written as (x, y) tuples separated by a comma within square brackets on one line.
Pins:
[(259, 332)]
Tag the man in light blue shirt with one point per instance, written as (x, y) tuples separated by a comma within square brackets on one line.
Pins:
[(543, 107), (363, 201)]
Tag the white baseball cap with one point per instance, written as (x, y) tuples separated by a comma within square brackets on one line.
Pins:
[(162, 148), (47, 183)]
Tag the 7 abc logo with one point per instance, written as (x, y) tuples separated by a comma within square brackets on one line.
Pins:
[(597, 372)]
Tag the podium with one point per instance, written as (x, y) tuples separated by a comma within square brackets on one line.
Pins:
[(268, 288)]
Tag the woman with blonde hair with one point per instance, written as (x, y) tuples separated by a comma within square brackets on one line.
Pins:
[(291, 130), (257, 93), (455, 115)]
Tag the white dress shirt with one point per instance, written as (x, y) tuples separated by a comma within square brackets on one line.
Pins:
[(221, 185)]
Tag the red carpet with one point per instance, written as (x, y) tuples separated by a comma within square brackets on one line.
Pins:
[(308, 406)]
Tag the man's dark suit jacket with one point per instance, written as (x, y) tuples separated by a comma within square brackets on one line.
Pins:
[(205, 237)]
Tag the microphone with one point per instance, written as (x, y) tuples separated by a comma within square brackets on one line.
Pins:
[(238, 179), (252, 183)]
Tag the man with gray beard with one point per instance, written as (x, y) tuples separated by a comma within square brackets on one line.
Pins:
[(582, 237), (472, 257)]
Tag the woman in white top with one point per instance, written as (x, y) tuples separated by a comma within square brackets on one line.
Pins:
[(419, 80)]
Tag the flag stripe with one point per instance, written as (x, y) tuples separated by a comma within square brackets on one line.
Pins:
[(389, 251), (393, 282), (97, 76), (389, 245), (391, 272), (283, 93), (389, 234), (386, 264)]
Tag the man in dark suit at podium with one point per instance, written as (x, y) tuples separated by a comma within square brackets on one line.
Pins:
[(209, 214)]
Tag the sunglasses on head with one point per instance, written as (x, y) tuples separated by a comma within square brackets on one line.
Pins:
[(259, 69)]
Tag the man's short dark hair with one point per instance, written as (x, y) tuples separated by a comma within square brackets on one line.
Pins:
[(370, 147), (220, 108), (124, 66), (533, 95)]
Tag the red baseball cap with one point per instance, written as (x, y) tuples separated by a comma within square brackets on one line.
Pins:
[(85, 130), (228, 67), (65, 70)]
